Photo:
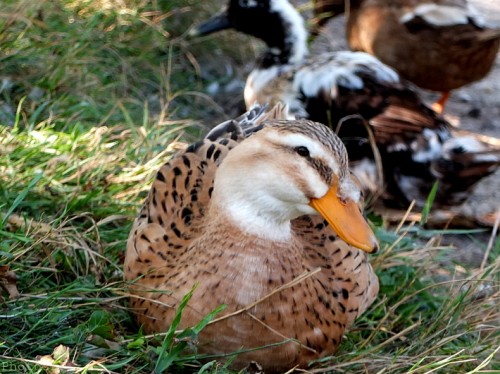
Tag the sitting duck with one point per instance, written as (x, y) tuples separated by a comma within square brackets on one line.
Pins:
[(439, 45), (361, 98), (264, 216)]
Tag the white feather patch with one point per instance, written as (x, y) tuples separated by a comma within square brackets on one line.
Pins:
[(260, 79), (438, 15), (256, 81), (340, 69), (297, 33), (432, 150), (348, 189), (366, 172)]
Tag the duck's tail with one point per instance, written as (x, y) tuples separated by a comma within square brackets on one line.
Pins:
[(250, 121), (463, 162)]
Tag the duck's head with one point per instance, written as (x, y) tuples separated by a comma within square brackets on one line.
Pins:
[(273, 21), (286, 170)]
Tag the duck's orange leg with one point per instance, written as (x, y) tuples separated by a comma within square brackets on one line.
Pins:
[(438, 106)]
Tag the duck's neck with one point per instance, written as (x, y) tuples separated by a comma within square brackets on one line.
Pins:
[(250, 220), (287, 41)]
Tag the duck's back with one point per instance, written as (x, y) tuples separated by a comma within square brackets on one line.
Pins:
[(172, 216), (437, 45)]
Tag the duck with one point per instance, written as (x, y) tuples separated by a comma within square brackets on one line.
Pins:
[(439, 45), (264, 216), (394, 140)]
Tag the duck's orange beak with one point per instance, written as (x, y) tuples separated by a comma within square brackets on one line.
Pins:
[(346, 220)]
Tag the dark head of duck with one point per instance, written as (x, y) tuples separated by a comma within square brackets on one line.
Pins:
[(263, 19)]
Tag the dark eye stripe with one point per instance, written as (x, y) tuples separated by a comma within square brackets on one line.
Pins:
[(319, 165), (319, 132), (323, 169)]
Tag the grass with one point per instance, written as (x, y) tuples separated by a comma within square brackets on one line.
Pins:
[(94, 97)]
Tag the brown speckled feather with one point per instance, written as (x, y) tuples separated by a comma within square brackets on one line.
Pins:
[(172, 246), (346, 273)]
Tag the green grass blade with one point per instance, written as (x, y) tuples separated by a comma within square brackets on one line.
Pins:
[(428, 203), (19, 199), (168, 352)]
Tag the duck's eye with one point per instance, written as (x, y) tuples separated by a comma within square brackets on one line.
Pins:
[(302, 151)]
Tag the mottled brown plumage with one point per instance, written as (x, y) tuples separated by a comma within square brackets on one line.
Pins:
[(188, 232)]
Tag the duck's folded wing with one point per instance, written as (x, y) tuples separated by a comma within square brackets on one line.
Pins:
[(464, 161), (345, 83), (406, 119), (458, 20)]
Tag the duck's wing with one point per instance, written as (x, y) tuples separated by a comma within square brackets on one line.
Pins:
[(334, 85), (456, 19), (421, 149), (465, 160), (173, 213), (407, 119), (418, 147), (345, 272)]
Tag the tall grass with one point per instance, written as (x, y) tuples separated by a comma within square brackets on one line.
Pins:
[(94, 97)]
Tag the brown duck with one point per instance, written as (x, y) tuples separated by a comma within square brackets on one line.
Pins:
[(439, 45), (264, 217)]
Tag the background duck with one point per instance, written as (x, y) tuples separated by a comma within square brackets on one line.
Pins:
[(439, 45), (410, 138), (237, 213)]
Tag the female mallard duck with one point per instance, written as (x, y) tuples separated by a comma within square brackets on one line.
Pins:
[(439, 45), (415, 145), (237, 214)]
